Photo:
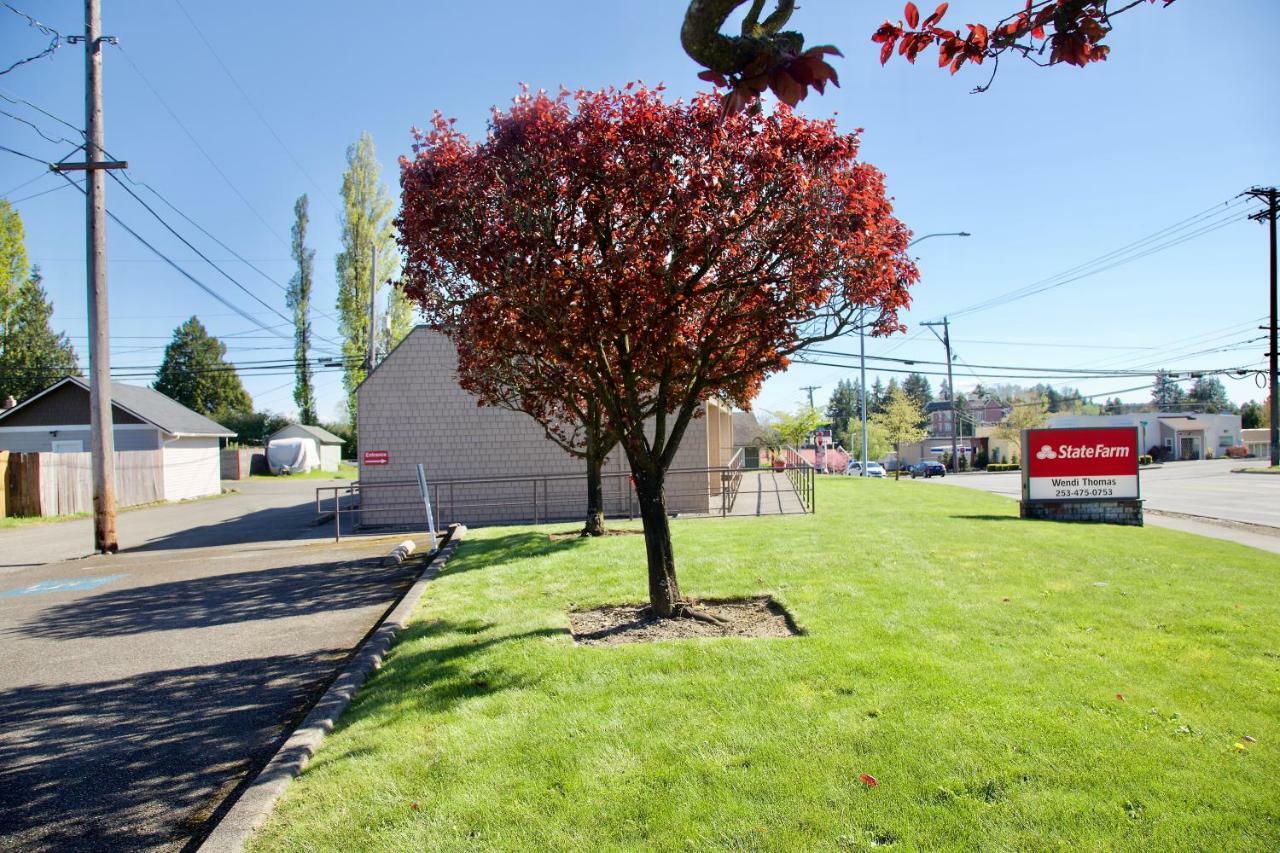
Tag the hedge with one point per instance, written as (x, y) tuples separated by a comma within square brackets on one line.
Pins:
[(1004, 466)]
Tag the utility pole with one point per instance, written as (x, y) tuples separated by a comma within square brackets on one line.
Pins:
[(945, 337), (102, 440), (862, 381), (1269, 194), (810, 389), (371, 358)]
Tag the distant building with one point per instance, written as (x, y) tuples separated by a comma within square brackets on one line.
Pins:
[(973, 416), (1258, 441), (328, 446), (57, 421), (1178, 435)]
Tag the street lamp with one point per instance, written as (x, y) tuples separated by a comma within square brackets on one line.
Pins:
[(862, 356)]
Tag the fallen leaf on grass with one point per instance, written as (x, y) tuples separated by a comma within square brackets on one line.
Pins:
[(868, 780), (1248, 739), (1119, 697)]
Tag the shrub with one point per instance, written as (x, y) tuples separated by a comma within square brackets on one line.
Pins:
[(1238, 452), (1004, 466), (1145, 460)]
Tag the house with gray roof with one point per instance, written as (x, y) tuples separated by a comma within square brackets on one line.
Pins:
[(327, 445), (56, 420)]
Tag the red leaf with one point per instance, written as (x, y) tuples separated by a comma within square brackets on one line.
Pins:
[(980, 36), (886, 51), (868, 780), (936, 16), (913, 15), (825, 49), (787, 88), (714, 77), (1119, 697), (1037, 32)]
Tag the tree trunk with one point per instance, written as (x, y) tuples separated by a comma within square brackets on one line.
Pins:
[(664, 591), (595, 494), (897, 463)]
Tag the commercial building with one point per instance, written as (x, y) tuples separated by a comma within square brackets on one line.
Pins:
[(488, 465), (1176, 435), (57, 421)]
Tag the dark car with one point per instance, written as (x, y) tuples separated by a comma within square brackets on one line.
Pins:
[(928, 468)]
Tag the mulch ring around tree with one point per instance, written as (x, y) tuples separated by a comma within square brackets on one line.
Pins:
[(577, 534), (633, 623)]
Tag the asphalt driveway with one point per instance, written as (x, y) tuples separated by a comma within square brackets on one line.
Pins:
[(137, 691)]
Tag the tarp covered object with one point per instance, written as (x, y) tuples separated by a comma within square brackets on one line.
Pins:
[(298, 455)]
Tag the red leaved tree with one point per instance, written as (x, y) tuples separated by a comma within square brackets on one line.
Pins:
[(656, 254), (765, 56)]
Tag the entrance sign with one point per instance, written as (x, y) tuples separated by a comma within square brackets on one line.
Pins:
[(377, 457), (1082, 464)]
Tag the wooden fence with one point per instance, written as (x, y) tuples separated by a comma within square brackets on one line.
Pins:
[(62, 483)]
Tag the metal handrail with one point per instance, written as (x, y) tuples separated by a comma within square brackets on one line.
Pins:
[(346, 500), (801, 474)]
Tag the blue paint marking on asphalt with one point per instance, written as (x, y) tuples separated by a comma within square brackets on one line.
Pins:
[(73, 585)]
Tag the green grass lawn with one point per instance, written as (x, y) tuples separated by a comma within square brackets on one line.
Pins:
[(971, 662), (344, 472)]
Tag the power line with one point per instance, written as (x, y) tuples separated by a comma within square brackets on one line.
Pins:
[(1204, 222), (248, 100), (55, 41), (192, 137)]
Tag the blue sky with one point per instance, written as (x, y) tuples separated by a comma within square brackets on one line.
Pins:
[(1049, 170)]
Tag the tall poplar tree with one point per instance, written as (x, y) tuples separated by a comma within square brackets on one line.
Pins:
[(299, 299), (366, 228), (194, 373)]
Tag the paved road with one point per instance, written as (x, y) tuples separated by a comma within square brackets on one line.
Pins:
[(259, 510), (1205, 489), (138, 690)]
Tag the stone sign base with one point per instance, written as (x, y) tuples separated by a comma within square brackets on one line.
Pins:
[(1100, 512)]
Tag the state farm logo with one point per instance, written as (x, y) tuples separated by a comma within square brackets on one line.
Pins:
[(1046, 452), (1074, 451)]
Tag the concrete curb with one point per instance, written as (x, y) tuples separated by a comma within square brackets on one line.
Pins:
[(254, 806)]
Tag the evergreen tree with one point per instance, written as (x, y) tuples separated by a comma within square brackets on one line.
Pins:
[(366, 228), (844, 406), (1208, 394), (14, 268), (32, 355), (194, 373), (299, 299), (1252, 415), (917, 387), (1166, 393), (875, 399)]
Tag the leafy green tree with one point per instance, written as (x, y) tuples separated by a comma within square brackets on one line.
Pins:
[(900, 422), (32, 355), (366, 228), (14, 268), (878, 444), (795, 429), (1028, 411), (1209, 394), (253, 428), (844, 406), (194, 373), (299, 299)]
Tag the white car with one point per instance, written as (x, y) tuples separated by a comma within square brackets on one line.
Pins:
[(874, 469)]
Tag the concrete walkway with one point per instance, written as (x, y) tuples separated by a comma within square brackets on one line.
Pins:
[(766, 493), (138, 690)]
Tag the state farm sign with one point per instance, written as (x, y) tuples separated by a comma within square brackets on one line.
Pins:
[(1080, 464)]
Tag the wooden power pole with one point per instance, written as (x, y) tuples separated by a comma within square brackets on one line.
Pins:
[(102, 440), (945, 337), (1272, 197)]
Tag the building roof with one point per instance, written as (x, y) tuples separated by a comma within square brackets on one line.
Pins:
[(1184, 424), (147, 404), (319, 433)]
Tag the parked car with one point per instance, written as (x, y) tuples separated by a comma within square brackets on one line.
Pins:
[(928, 468), (874, 469)]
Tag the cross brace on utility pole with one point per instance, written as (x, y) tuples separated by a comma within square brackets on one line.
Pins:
[(945, 337), (810, 389), (1272, 198)]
